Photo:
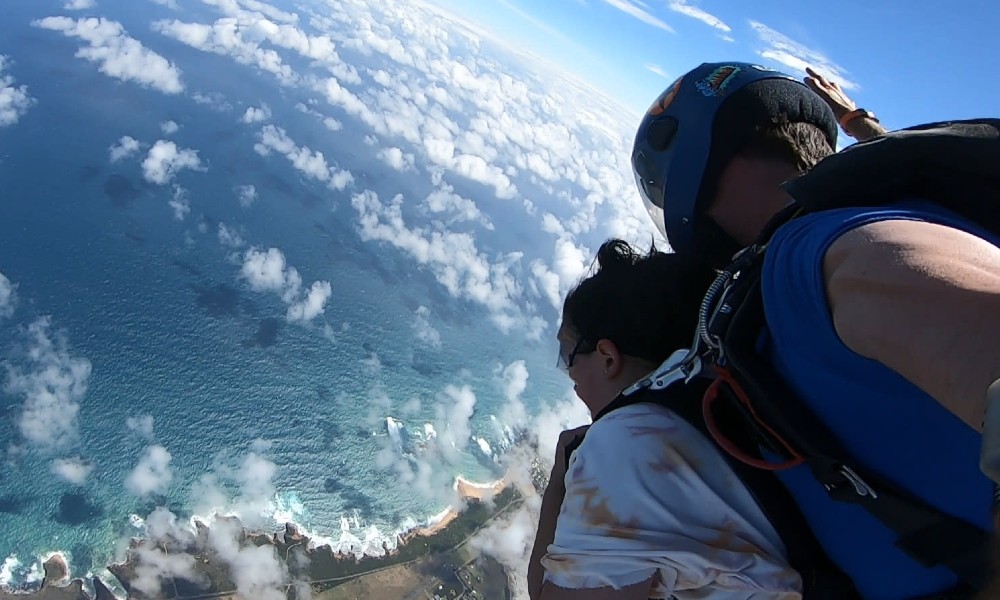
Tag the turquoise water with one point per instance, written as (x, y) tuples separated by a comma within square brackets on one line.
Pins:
[(157, 307)]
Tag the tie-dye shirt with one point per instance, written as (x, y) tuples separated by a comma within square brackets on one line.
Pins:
[(648, 495)]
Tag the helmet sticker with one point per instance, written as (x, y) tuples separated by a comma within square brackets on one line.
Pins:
[(665, 99), (716, 82)]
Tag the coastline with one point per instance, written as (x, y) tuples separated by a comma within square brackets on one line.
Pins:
[(324, 564)]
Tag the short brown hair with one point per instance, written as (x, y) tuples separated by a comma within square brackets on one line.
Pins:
[(799, 144)]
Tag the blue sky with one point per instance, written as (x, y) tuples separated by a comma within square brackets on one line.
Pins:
[(910, 62)]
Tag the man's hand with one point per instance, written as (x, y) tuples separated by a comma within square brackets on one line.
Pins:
[(830, 92), (860, 128)]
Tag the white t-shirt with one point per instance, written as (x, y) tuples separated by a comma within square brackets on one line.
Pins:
[(647, 493)]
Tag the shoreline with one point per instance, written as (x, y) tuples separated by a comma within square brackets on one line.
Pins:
[(467, 490), (57, 573)]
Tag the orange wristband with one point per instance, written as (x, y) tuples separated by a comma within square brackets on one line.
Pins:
[(854, 114)]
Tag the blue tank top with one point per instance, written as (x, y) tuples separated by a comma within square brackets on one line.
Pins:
[(889, 425)]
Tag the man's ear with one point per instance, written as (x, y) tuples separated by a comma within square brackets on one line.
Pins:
[(611, 358)]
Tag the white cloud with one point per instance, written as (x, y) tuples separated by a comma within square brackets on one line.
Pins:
[(445, 200), (165, 159), (52, 385), (180, 203), (302, 158), (514, 380), (509, 540), (14, 100), (230, 236), (118, 55), (423, 330), (256, 115), (79, 4), (783, 50), (396, 158), (312, 305), (168, 3), (154, 567), (268, 272), (241, 33), (247, 195), (73, 470), (453, 258), (152, 475), (142, 425), (682, 7), (8, 297), (453, 415), (126, 146), (169, 127), (257, 571), (639, 12), (657, 69)]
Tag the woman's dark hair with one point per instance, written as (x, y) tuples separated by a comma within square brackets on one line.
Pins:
[(646, 304)]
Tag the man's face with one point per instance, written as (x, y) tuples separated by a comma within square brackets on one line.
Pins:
[(748, 195)]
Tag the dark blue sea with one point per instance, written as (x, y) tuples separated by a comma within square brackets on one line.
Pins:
[(322, 309)]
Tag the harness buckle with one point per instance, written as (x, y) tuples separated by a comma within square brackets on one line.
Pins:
[(862, 491), (683, 364)]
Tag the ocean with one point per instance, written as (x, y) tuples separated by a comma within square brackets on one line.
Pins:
[(244, 330)]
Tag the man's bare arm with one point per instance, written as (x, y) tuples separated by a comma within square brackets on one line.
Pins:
[(924, 300)]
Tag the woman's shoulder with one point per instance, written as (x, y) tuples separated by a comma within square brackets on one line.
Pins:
[(639, 432)]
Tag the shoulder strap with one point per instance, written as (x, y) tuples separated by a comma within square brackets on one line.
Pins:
[(926, 534), (951, 163)]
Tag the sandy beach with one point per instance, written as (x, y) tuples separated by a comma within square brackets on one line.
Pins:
[(467, 490)]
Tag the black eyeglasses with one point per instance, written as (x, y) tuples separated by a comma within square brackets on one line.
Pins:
[(565, 362)]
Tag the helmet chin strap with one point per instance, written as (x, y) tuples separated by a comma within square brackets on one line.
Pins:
[(713, 245)]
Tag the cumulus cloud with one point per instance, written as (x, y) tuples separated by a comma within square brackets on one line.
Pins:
[(445, 200), (250, 475), (165, 160), (180, 203), (73, 470), (126, 146), (267, 271), (422, 328), (453, 415), (117, 54), (312, 305), (453, 258), (14, 99), (256, 115), (247, 195), (8, 297), (784, 50), (230, 236), (396, 158), (514, 380), (169, 127), (257, 571), (509, 540), (52, 383), (79, 4), (688, 10), (152, 475), (302, 158), (142, 425)]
